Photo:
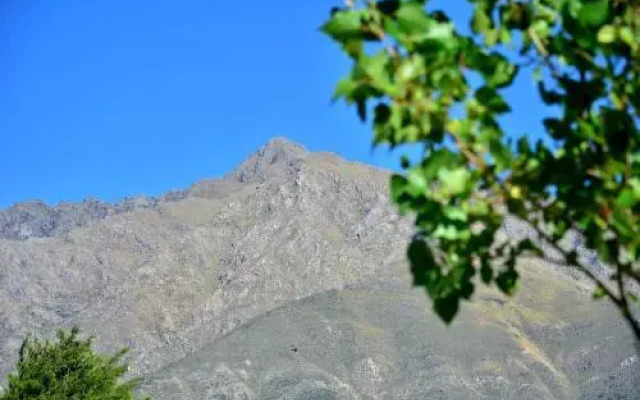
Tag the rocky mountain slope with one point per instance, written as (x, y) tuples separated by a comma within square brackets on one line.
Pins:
[(287, 279)]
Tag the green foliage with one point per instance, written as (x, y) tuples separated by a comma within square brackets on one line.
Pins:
[(414, 72), (67, 369)]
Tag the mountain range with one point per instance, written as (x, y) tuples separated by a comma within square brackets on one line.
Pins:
[(287, 279)]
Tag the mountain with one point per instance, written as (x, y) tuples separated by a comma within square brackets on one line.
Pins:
[(287, 279)]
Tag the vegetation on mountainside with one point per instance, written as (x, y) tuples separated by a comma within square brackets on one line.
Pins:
[(427, 83), (67, 369)]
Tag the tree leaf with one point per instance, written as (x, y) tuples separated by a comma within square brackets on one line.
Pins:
[(412, 18), (344, 25), (619, 128), (417, 181), (507, 281), (607, 34), (440, 31), (549, 96), (447, 307), (486, 272), (344, 88), (598, 292), (593, 12), (626, 35), (480, 22), (376, 70), (422, 261), (404, 162), (398, 186), (455, 213), (556, 128), (353, 47), (455, 180), (410, 69), (361, 106), (388, 7), (492, 100), (635, 186), (623, 224), (626, 198), (497, 70), (505, 36), (466, 290), (381, 114)]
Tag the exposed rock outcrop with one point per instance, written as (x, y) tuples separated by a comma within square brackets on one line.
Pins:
[(287, 279)]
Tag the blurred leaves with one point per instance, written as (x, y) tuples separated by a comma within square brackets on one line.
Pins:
[(414, 75)]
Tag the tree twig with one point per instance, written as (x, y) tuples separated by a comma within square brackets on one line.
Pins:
[(537, 42), (479, 162), (621, 302), (624, 304), (543, 51)]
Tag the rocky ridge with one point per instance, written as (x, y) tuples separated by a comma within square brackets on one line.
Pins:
[(287, 278)]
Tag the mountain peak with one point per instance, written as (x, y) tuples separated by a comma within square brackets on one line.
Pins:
[(282, 144), (273, 159)]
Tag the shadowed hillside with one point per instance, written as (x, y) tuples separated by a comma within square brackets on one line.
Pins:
[(287, 279)]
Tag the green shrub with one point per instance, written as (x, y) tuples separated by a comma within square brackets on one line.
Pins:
[(68, 369)]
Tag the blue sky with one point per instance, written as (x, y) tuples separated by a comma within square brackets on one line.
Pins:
[(117, 98)]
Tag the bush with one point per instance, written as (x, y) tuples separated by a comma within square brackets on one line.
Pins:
[(68, 369)]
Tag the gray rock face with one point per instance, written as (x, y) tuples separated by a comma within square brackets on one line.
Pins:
[(35, 219), (287, 279)]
